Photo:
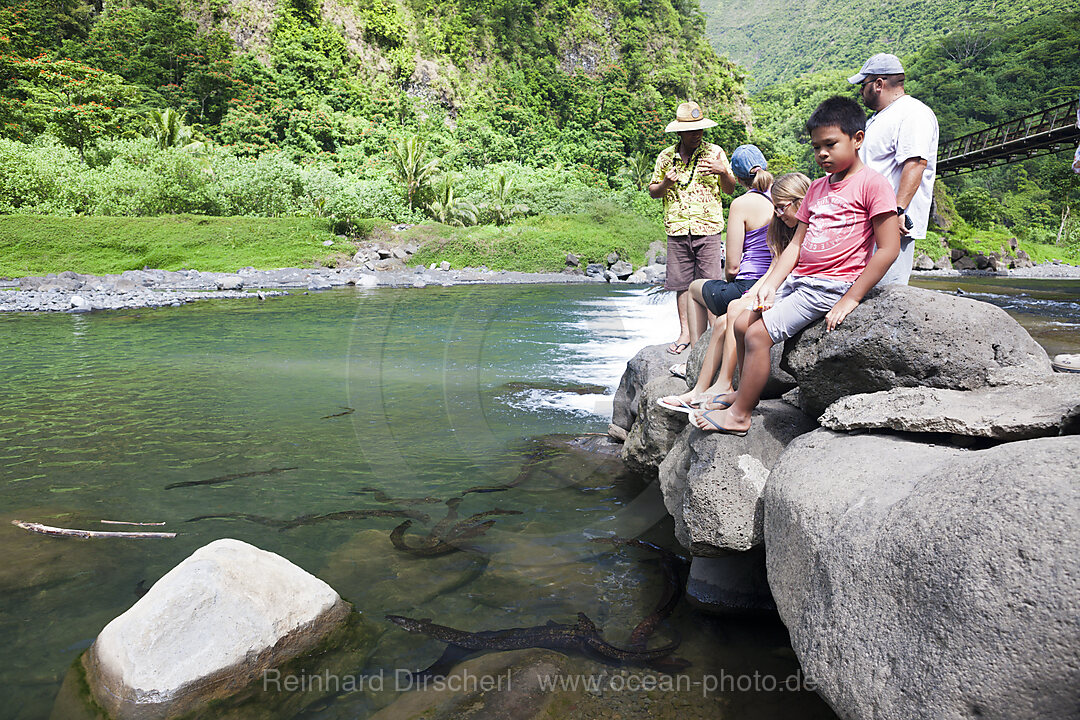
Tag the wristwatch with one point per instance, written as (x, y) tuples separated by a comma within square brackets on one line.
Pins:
[(908, 222), (901, 210)]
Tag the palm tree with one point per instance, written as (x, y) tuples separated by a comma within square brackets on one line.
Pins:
[(638, 169), (408, 166), (167, 129), (500, 206), (448, 208)]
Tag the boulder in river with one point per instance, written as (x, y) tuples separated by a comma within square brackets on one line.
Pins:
[(207, 629), (651, 362), (655, 428), (926, 581), (902, 336)]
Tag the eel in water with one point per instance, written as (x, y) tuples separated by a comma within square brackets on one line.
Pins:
[(670, 564), (443, 537), (382, 497), (345, 411), (227, 478), (310, 519), (583, 636)]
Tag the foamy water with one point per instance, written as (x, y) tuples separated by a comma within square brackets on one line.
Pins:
[(605, 335)]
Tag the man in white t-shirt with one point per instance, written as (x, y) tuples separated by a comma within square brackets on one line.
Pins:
[(901, 143)]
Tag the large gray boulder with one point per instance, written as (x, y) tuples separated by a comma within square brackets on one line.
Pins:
[(655, 428), (923, 581), (651, 362), (902, 336), (733, 584), (780, 380), (713, 483), (1010, 412), (207, 629)]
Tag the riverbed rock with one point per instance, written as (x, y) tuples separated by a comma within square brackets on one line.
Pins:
[(943, 263), (651, 362), (902, 336), (733, 584), (655, 428), (923, 262), (922, 581), (207, 629), (511, 689), (230, 282), (1010, 412), (622, 269), (713, 483)]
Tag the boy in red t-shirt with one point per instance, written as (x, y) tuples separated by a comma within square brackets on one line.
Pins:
[(827, 268)]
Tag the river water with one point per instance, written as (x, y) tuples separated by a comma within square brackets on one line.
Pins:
[(333, 396)]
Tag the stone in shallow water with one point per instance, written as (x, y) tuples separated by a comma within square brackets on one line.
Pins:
[(207, 629)]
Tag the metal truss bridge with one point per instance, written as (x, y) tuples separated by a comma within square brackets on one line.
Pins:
[(1039, 133)]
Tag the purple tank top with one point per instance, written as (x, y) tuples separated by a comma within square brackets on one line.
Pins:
[(755, 255)]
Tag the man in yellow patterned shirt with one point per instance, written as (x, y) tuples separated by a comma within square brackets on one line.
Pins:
[(689, 176)]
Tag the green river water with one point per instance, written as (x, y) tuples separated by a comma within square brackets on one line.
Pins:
[(418, 393)]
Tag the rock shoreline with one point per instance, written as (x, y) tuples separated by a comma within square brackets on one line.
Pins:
[(920, 547)]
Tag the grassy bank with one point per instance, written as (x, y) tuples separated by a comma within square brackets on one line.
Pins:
[(995, 240), (539, 243), (36, 245)]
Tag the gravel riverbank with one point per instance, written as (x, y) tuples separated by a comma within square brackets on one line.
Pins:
[(72, 292)]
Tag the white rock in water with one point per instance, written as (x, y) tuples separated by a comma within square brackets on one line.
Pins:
[(79, 303), (207, 629), (367, 281), (231, 282)]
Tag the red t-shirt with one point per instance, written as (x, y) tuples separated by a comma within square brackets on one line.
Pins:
[(840, 235)]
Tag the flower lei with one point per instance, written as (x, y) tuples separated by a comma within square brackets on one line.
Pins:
[(693, 168)]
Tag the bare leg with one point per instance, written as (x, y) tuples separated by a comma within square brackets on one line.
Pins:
[(755, 363), (697, 314), (677, 347)]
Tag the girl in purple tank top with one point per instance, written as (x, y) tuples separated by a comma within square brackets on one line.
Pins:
[(786, 195)]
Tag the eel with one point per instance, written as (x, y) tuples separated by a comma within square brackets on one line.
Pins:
[(310, 519), (226, 478), (345, 411), (443, 537), (583, 636), (670, 564), (382, 497)]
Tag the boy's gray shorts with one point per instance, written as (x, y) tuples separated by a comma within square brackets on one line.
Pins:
[(800, 301)]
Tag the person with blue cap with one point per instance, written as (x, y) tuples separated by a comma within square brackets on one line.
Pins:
[(901, 143)]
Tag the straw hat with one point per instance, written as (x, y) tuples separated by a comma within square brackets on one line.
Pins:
[(689, 116)]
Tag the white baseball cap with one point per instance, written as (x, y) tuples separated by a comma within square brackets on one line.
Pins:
[(880, 64)]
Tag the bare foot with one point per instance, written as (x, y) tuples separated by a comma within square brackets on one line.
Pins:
[(718, 421), (679, 403)]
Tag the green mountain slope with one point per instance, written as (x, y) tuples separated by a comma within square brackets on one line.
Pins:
[(778, 40)]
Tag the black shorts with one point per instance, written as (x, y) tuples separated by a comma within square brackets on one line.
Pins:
[(718, 293)]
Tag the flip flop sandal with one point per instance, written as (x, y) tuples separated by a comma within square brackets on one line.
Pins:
[(677, 348), (719, 428), (724, 404), (676, 405), (678, 370)]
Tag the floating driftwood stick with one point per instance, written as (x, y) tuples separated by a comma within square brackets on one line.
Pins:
[(122, 522), (71, 532)]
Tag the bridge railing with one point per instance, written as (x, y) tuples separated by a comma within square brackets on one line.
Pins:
[(1017, 137)]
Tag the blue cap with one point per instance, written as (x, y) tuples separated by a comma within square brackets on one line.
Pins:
[(746, 158)]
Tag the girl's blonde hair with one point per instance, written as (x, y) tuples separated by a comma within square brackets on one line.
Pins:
[(761, 181), (789, 188)]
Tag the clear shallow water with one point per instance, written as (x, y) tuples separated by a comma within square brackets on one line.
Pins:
[(449, 388), (1048, 308)]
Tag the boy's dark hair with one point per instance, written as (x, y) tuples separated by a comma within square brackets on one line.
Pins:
[(838, 111)]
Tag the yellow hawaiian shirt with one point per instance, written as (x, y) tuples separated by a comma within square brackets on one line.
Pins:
[(691, 206)]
